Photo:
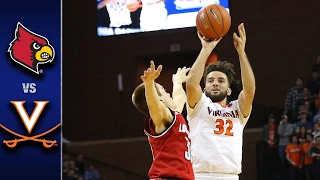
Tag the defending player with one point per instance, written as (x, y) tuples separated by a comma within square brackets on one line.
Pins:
[(167, 130), (216, 127)]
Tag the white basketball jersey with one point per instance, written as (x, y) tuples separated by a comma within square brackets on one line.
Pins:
[(119, 14), (216, 136), (153, 16)]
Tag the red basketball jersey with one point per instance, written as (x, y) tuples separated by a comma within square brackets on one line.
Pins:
[(170, 150)]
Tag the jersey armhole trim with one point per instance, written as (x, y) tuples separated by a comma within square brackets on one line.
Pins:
[(197, 107), (174, 114)]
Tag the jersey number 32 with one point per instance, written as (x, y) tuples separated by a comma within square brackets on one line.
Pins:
[(220, 127)]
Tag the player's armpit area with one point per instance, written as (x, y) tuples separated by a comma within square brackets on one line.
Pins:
[(245, 104), (194, 94), (158, 130)]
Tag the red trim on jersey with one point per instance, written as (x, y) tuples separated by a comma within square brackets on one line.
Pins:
[(222, 105), (150, 131)]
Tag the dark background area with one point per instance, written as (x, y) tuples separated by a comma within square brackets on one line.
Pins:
[(282, 43)]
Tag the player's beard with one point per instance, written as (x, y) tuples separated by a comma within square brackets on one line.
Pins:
[(216, 98)]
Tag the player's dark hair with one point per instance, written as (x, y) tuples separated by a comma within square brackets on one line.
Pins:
[(222, 66), (139, 99)]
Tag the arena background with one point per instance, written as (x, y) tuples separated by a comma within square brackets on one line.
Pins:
[(101, 122)]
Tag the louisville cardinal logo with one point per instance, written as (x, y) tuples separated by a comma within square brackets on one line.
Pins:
[(30, 49)]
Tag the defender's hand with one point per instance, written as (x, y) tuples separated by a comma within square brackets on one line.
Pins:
[(151, 73), (181, 76)]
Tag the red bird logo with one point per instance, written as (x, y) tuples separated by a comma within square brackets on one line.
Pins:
[(30, 49)]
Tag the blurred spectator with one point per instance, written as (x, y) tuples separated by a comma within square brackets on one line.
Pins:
[(315, 154), (65, 157), (270, 137), (92, 173), (268, 132), (80, 164), (293, 155), (80, 178), (317, 101), (302, 135), (73, 167), (71, 175), (316, 130), (309, 111), (308, 175), (303, 107), (65, 168), (285, 130), (293, 95), (303, 121), (316, 117), (314, 84), (316, 66), (306, 97)]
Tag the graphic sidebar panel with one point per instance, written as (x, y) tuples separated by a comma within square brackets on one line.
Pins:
[(30, 93)]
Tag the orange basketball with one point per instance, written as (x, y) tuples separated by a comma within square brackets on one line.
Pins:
[(213, 21)]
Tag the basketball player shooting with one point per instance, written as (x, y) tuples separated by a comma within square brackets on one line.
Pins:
[(216, 127), (167, 130)]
